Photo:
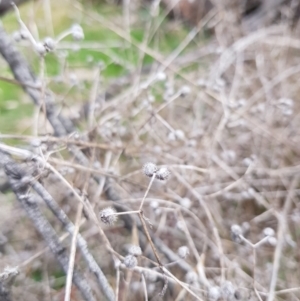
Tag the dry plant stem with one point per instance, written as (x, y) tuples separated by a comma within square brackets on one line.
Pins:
[(124, 213), (117, 283), (93, 97), (53, 206), (60, 125), (146, 193), (144, 225), (144, 286), (40, 253), (64, 140), (254, 271), (211, 221), (22, 24), (182, 284), (72, 253), (189, 238), (282, 228), (43, 90), (171, 278), (15, 82), (29, 203), (82, 244), (24, 75)]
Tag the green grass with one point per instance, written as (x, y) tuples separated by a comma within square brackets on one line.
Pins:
[(117, 61), (12, 108)]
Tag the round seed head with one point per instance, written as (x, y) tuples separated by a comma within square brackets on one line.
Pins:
[(236, 231), (191, 277), (49, 44), (24, 34), (161, 76), (149, 169), (228, 290), (272, 241), (162, 174), (185, 90), (108, 216), (214, 293), (77, 32), (130, 261), (40, 49), (135, 250), (185, 202), (183, 252), (269, 231)]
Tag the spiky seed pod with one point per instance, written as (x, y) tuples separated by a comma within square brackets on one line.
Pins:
[(228, 291), (130, 261), (135, 250), (149, 169), (108, 216), (162, 174)]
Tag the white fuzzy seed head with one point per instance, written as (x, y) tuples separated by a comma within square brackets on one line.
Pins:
[(272, 241), (228, 291), (183, 252), (77, 32), (24, 34), (161, 76), (49, 44), (108, 216), (149, 169), (179, 134), (185, 90), (191, 277), (162, 174), (269, 231), (214, 293), (135, 250), (236, 231), (130, 261), (185, 202), (40, 49)]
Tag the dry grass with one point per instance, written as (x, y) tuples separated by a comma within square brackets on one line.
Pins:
[(226, 124)]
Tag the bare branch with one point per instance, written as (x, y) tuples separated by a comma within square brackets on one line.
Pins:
[(20, 187)]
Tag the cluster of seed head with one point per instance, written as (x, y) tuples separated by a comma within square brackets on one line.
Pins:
[(49, 43), (130, 260), (108, 216), (270, 233), (151, 169), (237, 234)]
